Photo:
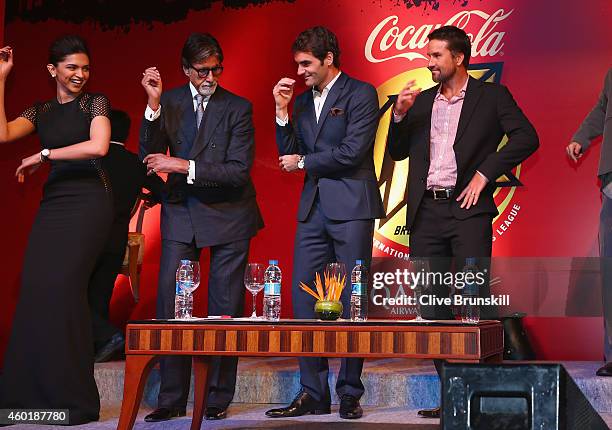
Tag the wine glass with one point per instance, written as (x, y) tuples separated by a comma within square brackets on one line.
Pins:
[(419, 268), (195, 267), (254, 282), (336, 270)]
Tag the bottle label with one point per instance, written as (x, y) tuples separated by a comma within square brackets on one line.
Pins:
[(272, 289), (470, 289), (358, 288), (184, 287)]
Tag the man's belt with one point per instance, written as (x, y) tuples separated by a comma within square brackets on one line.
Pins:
[(440, 193)]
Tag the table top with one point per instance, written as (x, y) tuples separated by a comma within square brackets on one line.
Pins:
[(313, 322), (309, 337)]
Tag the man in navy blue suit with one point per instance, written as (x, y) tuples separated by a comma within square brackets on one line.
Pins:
[(330, 137)]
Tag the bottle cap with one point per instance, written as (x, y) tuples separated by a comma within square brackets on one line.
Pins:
[(470, 261), (358, 262), (273, 262)]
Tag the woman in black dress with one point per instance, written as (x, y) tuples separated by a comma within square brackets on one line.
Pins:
[(49, 360)]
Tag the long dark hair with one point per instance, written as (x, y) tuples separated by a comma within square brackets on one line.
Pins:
[(64, 46)]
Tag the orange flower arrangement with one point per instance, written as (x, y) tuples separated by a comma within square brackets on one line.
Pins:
[(333, 287)]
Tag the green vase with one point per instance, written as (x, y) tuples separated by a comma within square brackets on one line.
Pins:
[(328, 310)]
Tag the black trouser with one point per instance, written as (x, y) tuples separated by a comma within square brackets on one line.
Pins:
[(100, 292), (225, 297), (437, 235), (605, 245), (102, 282)]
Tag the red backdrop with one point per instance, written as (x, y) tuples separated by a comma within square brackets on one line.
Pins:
[(554, 59)]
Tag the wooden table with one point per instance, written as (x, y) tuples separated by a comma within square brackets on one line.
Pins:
[(150, 339)]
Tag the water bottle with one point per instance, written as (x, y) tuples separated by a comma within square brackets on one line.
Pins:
[(359, 292), (470, 312), (272, 291), (183, 301)]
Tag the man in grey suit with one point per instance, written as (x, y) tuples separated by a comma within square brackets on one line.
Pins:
[(330, 138), (210, 202), (597, 123)]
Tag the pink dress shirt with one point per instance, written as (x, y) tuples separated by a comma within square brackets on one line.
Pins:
[(444, 122)]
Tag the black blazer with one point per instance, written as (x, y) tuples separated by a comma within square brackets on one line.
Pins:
[(220, 206), (488, 112), (338, 149), (127, 175)]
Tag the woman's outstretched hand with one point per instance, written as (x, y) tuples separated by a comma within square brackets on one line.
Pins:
[(6, 62), (28, 166)]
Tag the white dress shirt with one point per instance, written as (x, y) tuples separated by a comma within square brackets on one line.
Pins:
[(152, 115)]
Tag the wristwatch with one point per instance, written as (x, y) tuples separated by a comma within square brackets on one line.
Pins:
[(44, 155), (300, 163)]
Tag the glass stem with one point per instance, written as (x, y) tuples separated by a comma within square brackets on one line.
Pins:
[(254, 314), (189, 307)]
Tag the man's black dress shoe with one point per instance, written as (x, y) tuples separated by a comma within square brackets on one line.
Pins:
[(303, 404), (430, 413), (215, 413), (349, 407), (164, 414), (113, 348), (605, 370)]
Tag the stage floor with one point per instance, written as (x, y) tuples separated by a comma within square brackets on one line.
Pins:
[(395, 390), (250, 416), (244, 416)]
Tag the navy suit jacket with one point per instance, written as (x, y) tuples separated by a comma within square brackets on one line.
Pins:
[(339, 161), (488, 112), (220, 206)]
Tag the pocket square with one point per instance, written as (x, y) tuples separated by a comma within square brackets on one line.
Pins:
[(336, 111)]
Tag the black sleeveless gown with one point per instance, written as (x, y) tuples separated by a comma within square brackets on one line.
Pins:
[(49, 360)]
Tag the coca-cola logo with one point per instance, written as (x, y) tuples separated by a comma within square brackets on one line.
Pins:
[(388, 40)]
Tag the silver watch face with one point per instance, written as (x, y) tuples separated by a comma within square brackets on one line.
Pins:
[(300, 163), (45, 152)]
